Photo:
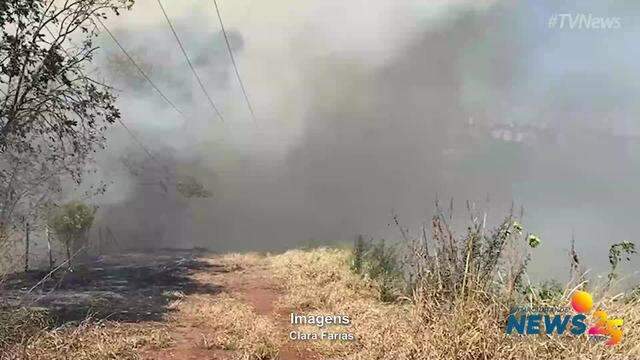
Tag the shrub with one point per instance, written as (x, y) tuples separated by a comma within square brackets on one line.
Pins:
[(189, 187), (71, 222), (616, 254), (445, 265), (380, 262), (357, 257), (549, 290), (448, 266)]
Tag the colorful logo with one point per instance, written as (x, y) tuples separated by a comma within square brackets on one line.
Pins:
[(532, 323)]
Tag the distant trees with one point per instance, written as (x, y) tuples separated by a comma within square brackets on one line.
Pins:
[(52, 113)]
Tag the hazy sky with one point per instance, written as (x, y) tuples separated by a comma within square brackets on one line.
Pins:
[(361, 109)]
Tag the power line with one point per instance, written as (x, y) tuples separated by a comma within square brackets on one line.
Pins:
[(131, 134), (142, 72), (193, 70), (137, 140), (233, 61)]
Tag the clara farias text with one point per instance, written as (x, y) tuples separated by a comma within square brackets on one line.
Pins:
[(320, 321)]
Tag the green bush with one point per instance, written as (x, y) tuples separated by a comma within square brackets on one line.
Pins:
[(379, 262), (70, 223), (550, 290)]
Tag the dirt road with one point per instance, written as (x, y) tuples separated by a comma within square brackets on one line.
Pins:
[(177, 304), (247, 282)]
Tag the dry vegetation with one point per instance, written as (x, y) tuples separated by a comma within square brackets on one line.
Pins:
[(230, 325), (239, 261), (428, 325), (450, 307), (89, 340), (321, 281)]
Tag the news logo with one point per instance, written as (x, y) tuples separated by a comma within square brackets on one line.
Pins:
[(601, 328)]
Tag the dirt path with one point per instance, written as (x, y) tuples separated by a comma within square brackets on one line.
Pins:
[(256, 287), (253, 285)]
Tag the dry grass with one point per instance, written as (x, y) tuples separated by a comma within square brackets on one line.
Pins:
[(19, 326), (90, 341), (230, 324), (320, 281), (239, 261), (316, 279)]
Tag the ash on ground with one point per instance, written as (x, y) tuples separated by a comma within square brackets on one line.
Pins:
[(131, 287)]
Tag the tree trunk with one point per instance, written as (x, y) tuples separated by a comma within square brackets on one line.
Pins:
[(79, 248), (68, 254), (49, 248), (26, 249), (100, 241)]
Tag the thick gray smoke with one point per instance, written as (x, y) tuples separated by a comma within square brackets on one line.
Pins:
[(368, 108)]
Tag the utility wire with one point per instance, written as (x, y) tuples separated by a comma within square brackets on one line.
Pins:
[(135, 138), (139, 142), (186, 56), (233, 61), (142, 72)]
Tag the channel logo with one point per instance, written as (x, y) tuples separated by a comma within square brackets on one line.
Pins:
[(600, 328)]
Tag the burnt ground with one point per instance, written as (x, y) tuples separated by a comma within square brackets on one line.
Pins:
[(128, 288), (146, 287)]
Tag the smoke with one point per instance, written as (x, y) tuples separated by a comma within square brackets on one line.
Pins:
[(368, 108)]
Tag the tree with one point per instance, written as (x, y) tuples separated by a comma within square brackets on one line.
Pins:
[(52, 114), (71, 224)]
